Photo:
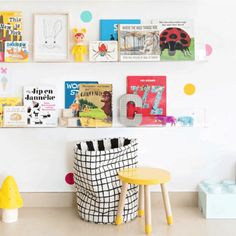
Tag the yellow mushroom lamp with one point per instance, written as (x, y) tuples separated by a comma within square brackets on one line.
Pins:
[(10, 200)]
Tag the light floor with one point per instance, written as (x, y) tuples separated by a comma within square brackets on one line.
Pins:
[(65, 222)]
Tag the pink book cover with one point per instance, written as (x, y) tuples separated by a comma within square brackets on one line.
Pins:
[(152, 90)]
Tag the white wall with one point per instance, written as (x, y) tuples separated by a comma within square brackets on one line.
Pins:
[(40, 158)]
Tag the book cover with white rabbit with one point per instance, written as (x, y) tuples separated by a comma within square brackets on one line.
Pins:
[(41, 106), (139, 43)]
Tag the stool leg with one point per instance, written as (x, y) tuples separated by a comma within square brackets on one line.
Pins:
[(166, 200), (121, 205), (141, 201), (148, 219)]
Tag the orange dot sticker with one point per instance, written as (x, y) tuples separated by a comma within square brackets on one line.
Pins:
[(189, 89)]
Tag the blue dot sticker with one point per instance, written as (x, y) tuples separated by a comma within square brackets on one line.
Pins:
[(86, 16)]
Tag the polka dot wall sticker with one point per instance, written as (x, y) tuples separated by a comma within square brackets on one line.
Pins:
[(69, 178), (189, 89), (86, 16)]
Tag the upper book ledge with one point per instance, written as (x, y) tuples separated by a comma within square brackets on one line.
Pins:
[(74, 1)]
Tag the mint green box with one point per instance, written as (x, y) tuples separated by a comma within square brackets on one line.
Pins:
[(217, 201)]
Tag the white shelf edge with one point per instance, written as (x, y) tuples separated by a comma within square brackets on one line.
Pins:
[(78, 1)]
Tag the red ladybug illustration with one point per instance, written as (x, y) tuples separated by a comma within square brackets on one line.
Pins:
[(175, 39)]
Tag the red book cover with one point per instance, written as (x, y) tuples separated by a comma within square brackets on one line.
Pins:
[(152, 90)]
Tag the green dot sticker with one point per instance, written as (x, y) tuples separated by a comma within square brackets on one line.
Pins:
[(189, 89), (86, 16)]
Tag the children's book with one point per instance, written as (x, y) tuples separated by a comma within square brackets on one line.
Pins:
[(41, 106), (139, 43), (109, 28), (95, 101), (15, 116), (71, 95), (177, 40), (8, 101), (102, 51), (10, 29), (152, 90), (16, 51)]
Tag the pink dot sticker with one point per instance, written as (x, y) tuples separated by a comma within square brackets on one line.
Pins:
[(209, 49), (69, 178)]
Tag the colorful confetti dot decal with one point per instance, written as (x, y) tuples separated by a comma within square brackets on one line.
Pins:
[(209, 50), (69, 178), (86, 16), (189, 89)]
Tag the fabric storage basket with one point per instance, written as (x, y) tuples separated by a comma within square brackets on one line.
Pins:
[(96, 167)]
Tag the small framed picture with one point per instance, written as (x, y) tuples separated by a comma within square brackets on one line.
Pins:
[(51, 37)]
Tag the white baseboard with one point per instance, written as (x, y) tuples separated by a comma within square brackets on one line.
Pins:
[(185, 199)]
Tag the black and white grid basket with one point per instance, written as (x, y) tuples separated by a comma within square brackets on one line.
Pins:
[(96, 167)]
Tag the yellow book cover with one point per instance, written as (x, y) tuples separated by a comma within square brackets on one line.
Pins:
[(15, 101), (10, 28)]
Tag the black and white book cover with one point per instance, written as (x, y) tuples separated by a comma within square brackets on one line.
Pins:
[(41, 106)]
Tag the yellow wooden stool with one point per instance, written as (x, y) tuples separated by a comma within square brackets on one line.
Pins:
[(144, 177)]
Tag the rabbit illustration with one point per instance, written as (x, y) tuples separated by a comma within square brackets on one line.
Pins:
[(50, 36)]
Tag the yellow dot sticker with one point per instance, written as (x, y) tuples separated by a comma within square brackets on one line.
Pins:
[(189, 89)]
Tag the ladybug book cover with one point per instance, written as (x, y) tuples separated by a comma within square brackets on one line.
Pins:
[(177, 40), (71, 94), (102, 51), (41, 106), (152, 90), (10, 29), (95, 105), (139, 42), (8, 101), (109, 28)]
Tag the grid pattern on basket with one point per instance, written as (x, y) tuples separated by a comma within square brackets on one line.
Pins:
[(98, 188)]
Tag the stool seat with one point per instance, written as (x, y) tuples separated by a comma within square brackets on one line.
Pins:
[(144, 176)]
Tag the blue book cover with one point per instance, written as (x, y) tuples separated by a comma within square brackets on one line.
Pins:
[(109, 28), (72, 89)]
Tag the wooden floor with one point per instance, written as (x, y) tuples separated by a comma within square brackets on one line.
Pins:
[(188, 221)]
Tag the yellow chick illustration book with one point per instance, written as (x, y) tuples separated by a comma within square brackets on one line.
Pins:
[(14, 101)]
